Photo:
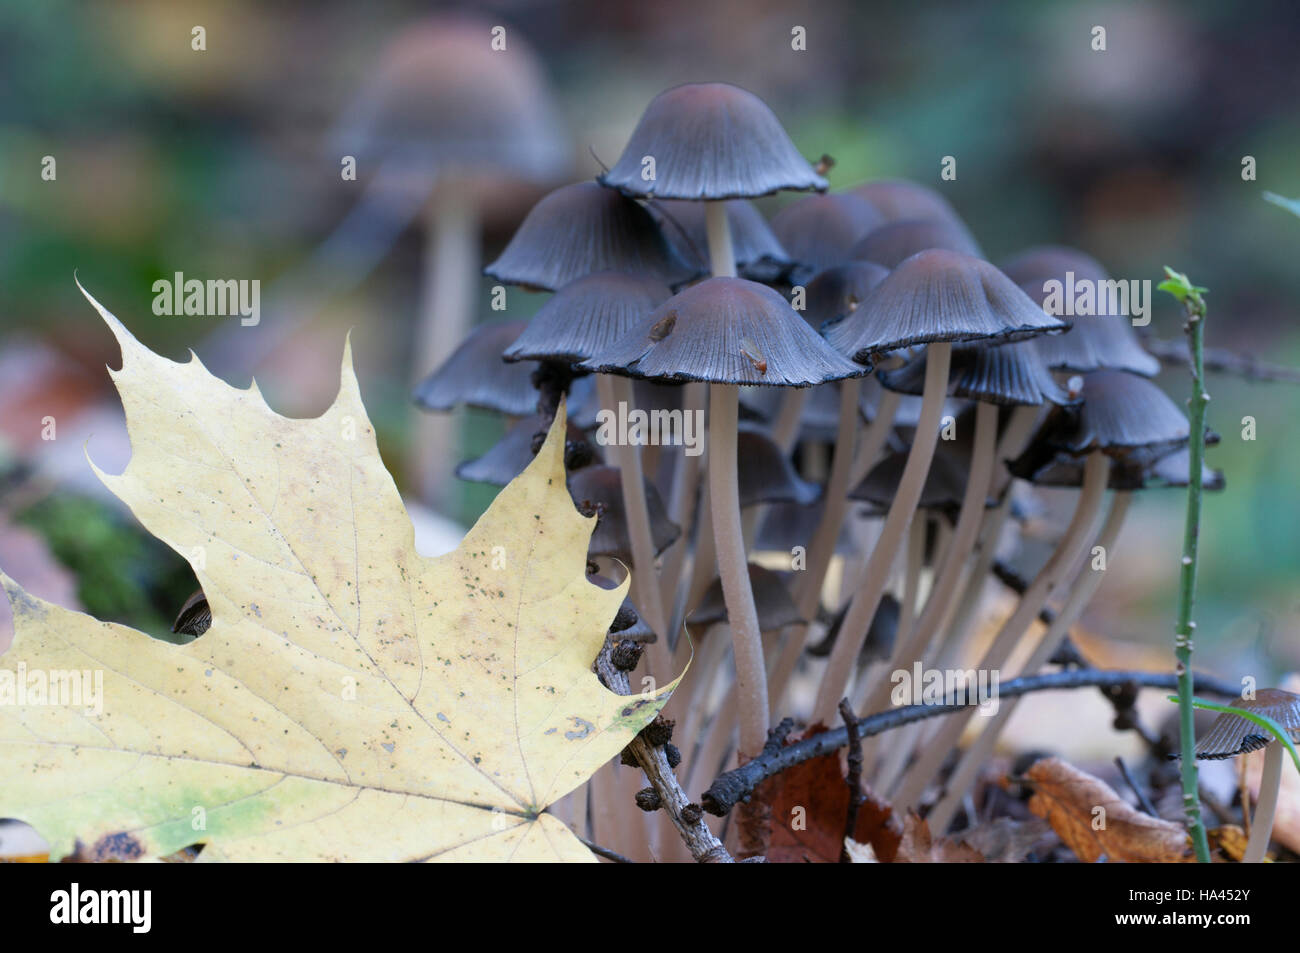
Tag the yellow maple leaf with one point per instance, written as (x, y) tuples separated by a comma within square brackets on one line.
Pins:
[(352, 699)]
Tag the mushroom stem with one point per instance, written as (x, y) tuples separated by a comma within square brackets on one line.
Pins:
[(1067, 553), (683, 507), (853, 631), (785, 429), (742, 615), (808, 590), (1261, 824), (1081, 593), (647, 596), (914, 556), (911, 643), (446, 310)]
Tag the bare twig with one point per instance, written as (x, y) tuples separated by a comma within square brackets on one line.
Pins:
[(1143, 801), (1246, 366), (854, 779), (605, 852), (653, 759), (730, 788)]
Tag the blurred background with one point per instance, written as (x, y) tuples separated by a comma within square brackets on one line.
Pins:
[(225, 162)]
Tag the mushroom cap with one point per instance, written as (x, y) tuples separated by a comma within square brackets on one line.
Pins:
[(899, 199), (776, 608), (819, 419), (758, 253), (793, 524), (711, 141), (1093, 342), (909, 407), (1121, 412), (581, 229), (1066, 470), (586, 316), (945, 483), (1232, 734), (510, 456), (765, 474), (476, 375), (938, 295), (837, 290), (1006, 374), (726, 331), (603, 485), (817, 231), (441, 97), (892, 243), (195, 616)]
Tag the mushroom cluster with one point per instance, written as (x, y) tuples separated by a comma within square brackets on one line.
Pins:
[(878, 397)]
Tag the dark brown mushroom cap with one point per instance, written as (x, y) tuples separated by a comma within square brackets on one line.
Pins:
[(586, 316), (817, 231), (892, 243), (1232, 734), (759, 255), (945, 483), (441, 97), (476, 375), (602, 486), (1006, 374), (938, 295), (509, 456), (726, 331), (1093, 342), (581, 229), (788, 525), (836, 291), (765, 474), (900, 199), (711, 141), (776, 608)]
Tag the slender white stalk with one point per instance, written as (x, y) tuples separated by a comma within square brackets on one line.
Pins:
[(1084, 588), (1057, 568), (785, 429), (683, 507), (912, 563), (873, 439), (645, 580), (910, 645), (853, 632), (1261, 823), (446, 312)]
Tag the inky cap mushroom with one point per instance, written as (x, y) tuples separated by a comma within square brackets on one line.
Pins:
[(476, 375)]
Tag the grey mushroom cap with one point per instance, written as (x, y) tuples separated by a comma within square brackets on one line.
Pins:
[(945, 482), (1005, 374), (586, 316), (817, 231), (1121, 412), (900, 199), (892, 243), (475, 375), (793, 524), (1232, 734), (765, 474), (442, 98), (1066, 470), (710, 141), (726, 331), (1094, 342), (602, 486), (836, 291), (580, 229), (510, 455), (776, 608), (758, 253), (909, 407), (938, 295)]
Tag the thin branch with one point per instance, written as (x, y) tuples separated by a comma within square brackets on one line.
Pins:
[(605, 852), (653, 759), (1174, 353), (1143, 801), (854, 780), (730, 788)]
